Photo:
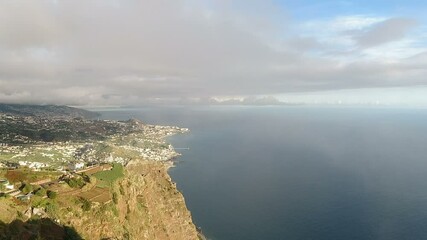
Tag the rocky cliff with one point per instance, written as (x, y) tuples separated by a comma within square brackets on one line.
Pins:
[(147, 205)]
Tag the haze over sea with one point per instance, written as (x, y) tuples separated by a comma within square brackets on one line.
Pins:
[(300, 172)]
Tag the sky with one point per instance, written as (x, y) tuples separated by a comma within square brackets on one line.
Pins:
[(111, 52)]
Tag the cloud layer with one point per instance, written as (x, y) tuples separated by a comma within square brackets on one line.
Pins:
[(130, 52)]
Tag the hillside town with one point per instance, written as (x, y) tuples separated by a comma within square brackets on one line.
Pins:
[(70, 146)]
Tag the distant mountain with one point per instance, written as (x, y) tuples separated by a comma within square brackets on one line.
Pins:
[(46, 111)]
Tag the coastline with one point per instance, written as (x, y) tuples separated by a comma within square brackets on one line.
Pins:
[(167, 165), (171, 163), (133, 198), (149, 183), (149, 205)]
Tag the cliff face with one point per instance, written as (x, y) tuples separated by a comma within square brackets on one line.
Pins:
[(146, 205), (151, 206)]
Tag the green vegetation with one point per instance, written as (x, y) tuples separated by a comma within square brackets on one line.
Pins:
[(109, 177), (115, 198), (37, 201), (86, 204), (41, 192), (26, 188), (70, 126), (52, 194), (52, 209), (76, 182), (4, 195)]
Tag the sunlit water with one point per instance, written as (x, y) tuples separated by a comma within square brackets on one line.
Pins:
[(300, 172)]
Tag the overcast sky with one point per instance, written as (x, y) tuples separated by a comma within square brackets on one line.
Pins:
[(132, 52)]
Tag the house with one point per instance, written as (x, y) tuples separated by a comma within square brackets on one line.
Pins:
[(76, 166), (11, 165), (6, 184), (25, 197), (33, 165), (10, 186), (37, 165)]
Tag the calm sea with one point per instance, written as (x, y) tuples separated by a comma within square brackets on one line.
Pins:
[(300, 172)]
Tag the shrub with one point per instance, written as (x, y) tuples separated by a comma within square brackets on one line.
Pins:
[(122, 190), (37, 201), (26, 188), (41, 192), (4, 195), (87, 205), (76, 182), (115, 198), (52, 209), (52, 194)]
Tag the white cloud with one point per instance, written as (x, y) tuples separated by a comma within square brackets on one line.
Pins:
[(393, 52), (415, 96), (125, 52), (354, 22), (355, 38), (331, 31), (387, 31)]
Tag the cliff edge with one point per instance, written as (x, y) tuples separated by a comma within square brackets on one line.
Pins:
[(147, 206)]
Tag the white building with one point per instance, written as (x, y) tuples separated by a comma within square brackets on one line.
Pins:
[(6, 184), (33, 165), (76, 166)]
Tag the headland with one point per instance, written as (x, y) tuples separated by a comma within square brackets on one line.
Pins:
[(87, 178)]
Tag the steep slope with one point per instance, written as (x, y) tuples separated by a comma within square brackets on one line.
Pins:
[(147, 206)]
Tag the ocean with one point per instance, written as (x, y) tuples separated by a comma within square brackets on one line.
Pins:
[(299, 172)]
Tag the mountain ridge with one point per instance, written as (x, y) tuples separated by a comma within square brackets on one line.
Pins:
[(50, 110)]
